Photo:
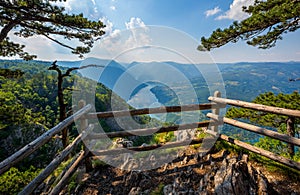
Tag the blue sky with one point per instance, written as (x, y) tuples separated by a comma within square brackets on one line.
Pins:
[(193, 18)]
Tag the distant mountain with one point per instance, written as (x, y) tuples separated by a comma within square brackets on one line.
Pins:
[(69, 64), (244, 80), (114, 76)]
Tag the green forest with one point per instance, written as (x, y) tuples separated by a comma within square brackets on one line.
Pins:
[(29, 107)]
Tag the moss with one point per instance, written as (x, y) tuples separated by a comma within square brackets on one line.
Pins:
[(159, 190)]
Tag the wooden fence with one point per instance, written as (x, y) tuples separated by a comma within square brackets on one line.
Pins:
[(87, 133)]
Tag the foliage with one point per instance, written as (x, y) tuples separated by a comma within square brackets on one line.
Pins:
[(29, 106), (13, 181), (232, 148), (289, 101), (267, 22), (44, 18), (6, 73), (159, 190), (163, 137)]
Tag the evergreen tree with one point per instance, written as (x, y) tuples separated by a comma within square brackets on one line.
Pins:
[(27, 18), (268, 21), (280, 122)]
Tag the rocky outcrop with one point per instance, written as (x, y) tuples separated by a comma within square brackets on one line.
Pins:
[(232, 176), (219, 173)]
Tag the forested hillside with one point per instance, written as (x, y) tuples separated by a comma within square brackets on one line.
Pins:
[(29, 107)]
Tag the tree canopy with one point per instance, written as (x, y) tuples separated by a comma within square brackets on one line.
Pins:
[(27, 18), (280, 122), (267, 22)]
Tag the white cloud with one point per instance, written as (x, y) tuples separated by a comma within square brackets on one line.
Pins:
[(110, 33), (139, 33), (44, 48), (108, 25), (235, 12), (112, 8), (94, 2), (212, 12), (135, 23), (116, 41), (88, 8)]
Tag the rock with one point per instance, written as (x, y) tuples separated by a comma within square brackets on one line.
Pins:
[(165, 167), (245, 157), (262, 184), (168, 189), (135, 191), (146, 183), (184, 161), (208, 158), (191, 192), (237, 177), (132, 179)]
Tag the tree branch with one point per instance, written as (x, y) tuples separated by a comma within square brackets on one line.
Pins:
[(60, 43), (5, 30), (82, 67)]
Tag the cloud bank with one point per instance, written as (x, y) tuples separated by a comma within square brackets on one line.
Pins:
[(235, 12), (212, 12)]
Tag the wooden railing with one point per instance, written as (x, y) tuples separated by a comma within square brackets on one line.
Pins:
[(292, 141), (87, 133)]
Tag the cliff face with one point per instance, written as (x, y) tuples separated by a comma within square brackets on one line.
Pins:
[(219, 173), (23, 134)]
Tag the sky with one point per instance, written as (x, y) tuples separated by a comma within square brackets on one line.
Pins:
[(164, 30)]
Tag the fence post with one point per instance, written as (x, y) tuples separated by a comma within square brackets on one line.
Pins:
[(216, 110), (290, 128), (84, 125)]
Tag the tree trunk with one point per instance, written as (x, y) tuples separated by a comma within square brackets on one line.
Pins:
[(62, 109), (290, 127)]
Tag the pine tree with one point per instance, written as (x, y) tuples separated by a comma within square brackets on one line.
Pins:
[(27, 18), (268, 21), (283, 124)]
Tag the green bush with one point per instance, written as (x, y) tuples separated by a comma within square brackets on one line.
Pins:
[(13, 181)]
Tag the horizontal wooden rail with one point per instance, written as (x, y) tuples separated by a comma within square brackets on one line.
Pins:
[(256, 129), (262, 152), (149, 131), (118, 151), (157, 110), (259, 107), (54, 164), (44, 138)]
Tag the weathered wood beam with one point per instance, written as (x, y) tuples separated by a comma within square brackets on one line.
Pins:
[(64, 180), (149, 131), (216, 111), (256, 129), (259, 107), (122, 113), (50, 168), (118, 151), (37, 143), (262, 152)]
